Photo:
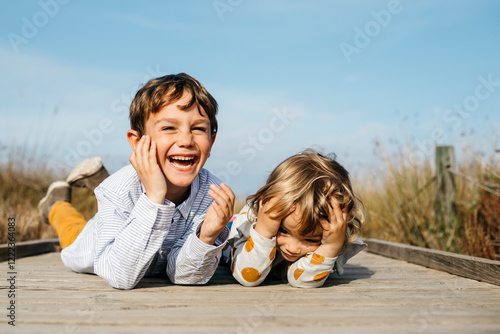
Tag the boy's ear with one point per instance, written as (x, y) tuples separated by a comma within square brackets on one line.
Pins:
[(212, 140), (133, 138)]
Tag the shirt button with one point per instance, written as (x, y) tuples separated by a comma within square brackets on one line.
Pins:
[(164, 252)]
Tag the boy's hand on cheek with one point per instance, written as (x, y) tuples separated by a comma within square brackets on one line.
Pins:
[(334, 232), (266, 226), (144, 161), (218, 214)]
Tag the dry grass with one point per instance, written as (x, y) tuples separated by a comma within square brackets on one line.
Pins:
[(239, 203), (400, 205), (23, 184), (20, 192)]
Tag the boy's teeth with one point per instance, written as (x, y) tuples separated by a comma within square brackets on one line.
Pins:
[(182, 158), (182, 161)]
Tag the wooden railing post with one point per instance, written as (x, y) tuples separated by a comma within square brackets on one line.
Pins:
[(445, 202)]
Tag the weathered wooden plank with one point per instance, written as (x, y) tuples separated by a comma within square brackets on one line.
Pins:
[(29, 248), (376, 294), (319, 328), (264, 315), (467, 266), (445, 206)]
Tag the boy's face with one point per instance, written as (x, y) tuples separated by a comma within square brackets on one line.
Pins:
[(291, 245), (183, 142)]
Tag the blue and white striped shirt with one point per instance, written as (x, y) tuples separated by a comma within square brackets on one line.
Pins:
[(131, 237)]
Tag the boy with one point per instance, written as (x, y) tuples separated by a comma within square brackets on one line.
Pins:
[(164, 213)]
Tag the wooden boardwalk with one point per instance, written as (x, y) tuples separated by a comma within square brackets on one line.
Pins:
[(375, 295)]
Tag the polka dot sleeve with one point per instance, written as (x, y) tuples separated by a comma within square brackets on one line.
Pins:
[(252, 262), (310, 271)]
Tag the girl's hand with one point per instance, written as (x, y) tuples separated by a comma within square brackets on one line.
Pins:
[(144, 161), (334, 232), (266, 226), (218, 214)]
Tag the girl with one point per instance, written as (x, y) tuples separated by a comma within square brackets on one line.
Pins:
[(301, 225)]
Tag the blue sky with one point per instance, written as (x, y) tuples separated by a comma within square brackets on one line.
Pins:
[(334, 75)]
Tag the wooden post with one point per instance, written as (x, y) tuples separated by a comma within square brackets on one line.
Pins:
[(445, 202)]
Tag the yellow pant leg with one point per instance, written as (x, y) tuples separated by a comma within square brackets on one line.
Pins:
[(67, 222)]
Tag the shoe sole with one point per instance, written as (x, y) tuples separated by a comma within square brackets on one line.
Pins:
[(86, 168), (54, 185)]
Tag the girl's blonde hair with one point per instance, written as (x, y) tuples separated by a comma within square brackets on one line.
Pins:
[(309, 180)]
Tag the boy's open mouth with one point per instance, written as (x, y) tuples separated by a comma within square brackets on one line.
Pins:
[(183, 162)]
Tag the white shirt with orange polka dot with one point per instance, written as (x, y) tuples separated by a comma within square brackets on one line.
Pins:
[(253, 256)]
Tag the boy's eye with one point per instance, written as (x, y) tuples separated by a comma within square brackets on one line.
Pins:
[(202, 129), (167, 128), (313, 241)]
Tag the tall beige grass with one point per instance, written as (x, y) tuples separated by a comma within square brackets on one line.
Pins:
[(399, 201), (24, 180)]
